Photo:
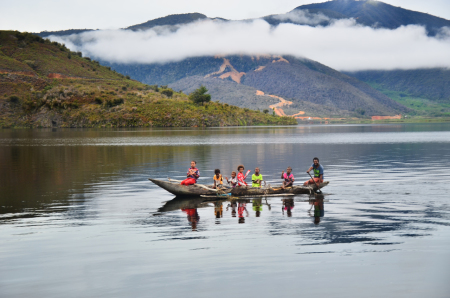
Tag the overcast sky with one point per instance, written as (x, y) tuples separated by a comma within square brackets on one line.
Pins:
[(51, 15)]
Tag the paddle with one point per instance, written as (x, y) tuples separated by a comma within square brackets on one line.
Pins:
[(318, 189)]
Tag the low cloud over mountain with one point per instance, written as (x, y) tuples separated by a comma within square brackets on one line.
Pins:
[(343, 45)]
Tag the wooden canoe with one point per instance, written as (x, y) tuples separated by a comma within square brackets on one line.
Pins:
[(198, 190)]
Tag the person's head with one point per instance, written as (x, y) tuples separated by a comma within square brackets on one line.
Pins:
[(233, 174), (193, 164), (240, 168), (257, 171), (288, 170), (316, 161), (217, 172)]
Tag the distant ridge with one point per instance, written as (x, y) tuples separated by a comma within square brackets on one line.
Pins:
[(366, 12), (376, 14), (174, 19), (44, 34)]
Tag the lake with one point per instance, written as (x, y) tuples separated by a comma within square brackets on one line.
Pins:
[(79, 218)]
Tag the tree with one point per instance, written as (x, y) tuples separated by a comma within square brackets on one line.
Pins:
[(199, 95)]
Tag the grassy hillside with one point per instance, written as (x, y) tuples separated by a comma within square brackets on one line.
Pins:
[(431, 83), (43, 84), (418, 106), (378, 14)]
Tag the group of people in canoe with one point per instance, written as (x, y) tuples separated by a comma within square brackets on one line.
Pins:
[(238, 179)]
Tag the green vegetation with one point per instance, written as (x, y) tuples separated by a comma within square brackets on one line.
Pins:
[(418, 106), (429, 83), (40, 86), (199, 96)]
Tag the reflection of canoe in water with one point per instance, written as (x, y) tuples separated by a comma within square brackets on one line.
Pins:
[(198, 189), (180, 203)]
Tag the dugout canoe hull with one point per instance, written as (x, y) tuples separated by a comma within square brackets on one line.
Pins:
[(196, 190)]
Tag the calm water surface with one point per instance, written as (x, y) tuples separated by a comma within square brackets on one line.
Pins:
[(78, 217)]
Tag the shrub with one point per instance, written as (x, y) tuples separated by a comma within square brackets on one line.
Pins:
[(69, 55), (87, 58), (114, 102), (167, 92), (124, 88), (14, 99), (127, 77), (31, 63), (266, 111), (154, 88), (79, 54), (98, 100)]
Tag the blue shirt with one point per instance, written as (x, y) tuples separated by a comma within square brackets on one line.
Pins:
[(318, 171)]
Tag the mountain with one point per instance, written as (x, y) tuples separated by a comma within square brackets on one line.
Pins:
[(311, 88), (376, 14), (170, 20), (430, 83), (426, 91), (43, 84), (366, 12), (238, 79)]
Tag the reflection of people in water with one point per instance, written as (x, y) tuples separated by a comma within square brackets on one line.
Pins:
[(192, 217), (233, 208), (257, 206), (288, 205), (241, 208), (218, 210), (319, 210)]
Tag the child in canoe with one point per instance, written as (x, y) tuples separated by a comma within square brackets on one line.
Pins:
[(233, 181), (218, 180), (257, 178), (192, 174), (288, 178), (241, 177)]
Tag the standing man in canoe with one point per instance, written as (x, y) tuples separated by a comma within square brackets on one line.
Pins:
[(192, 174), (318, 173)]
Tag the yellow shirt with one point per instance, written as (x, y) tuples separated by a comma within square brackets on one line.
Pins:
[(219, 181)]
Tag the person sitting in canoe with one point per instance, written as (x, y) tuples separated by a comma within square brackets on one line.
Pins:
[(218, 180), (257, 178), (318, 173), (192, 174), (233, 181), (241, 177), (288, 178)]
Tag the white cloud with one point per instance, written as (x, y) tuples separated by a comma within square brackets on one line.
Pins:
[(302, 17), (344, 45)]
